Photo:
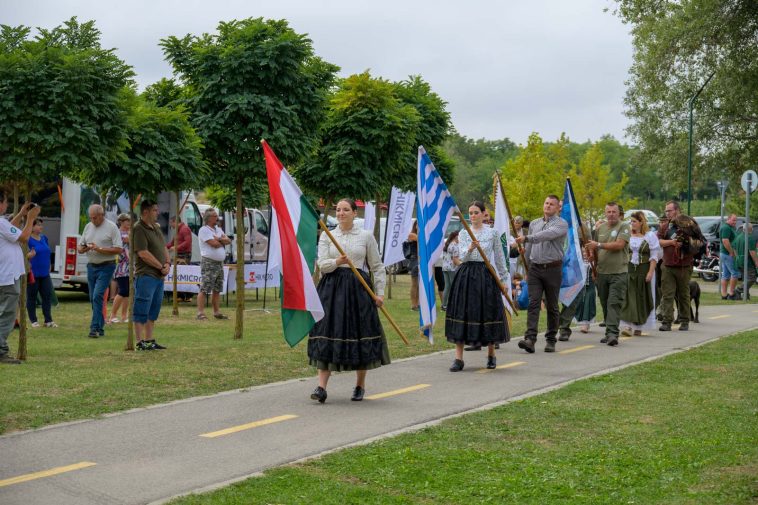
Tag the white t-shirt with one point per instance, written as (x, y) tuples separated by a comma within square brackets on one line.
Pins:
[(205, 234), (11, 256), (105, 235)]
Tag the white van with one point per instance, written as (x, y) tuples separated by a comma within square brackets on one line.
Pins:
[(69, 212), (256, 236)]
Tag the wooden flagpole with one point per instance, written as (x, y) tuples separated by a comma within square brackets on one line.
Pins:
[(486, 261), (362, 280), (513, 226)]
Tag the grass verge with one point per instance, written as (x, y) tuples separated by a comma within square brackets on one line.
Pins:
[(680, 430)]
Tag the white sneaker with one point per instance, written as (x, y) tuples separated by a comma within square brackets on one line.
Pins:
[(115, 320), (35, 324), (126, 320), (51, 324)]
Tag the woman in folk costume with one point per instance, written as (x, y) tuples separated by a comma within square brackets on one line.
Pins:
[(475, 311), (638, 312), (350, 336)]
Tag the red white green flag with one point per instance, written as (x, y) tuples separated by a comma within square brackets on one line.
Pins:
[(294, 226)]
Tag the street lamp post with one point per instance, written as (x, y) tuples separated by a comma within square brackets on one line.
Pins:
[(689, 157), (721, 185)]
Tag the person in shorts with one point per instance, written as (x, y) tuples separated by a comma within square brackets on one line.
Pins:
[(212, 249)]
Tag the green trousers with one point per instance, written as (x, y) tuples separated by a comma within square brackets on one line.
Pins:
[(675, 286), (611, 289)]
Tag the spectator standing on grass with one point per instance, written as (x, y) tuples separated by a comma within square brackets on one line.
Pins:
[(611, 246), (544, 253), (12, 267), (412, 258), (39, 259), (727, 254), (101, 241), (152, 265), (182, 241), (121, 275), (212, 249)]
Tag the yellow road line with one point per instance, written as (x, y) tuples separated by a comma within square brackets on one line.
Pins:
[(248, 426), (501, 367), (576, 349), (45, 473), (398, 392), (722, 316)]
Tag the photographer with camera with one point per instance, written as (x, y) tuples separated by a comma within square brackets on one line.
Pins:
[(12, 267), (681, 239)]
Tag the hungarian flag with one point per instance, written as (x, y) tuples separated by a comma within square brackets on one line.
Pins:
[(294, 226)]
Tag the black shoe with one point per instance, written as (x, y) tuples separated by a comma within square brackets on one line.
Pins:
[(684, 327), (613, 341), (357, 394), (604, 340), (550, 346), (665, 327), (473, 348), (457, 366), (726, 297), (564, 337), (527, 345), (319, 394), (491, 362), (155, 345), (602, 325), (735, 296), (144, 345), (100, 333), (93, 334), (9, 360)]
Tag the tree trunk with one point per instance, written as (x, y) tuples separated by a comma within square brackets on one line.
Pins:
[(240, 295), (21, 354), (130, 300), (175, 267)]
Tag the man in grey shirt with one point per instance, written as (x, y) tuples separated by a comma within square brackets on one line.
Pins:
[(101, 241), (544, 253)]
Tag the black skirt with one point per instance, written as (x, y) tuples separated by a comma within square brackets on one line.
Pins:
[(475, 311), (350, 336)]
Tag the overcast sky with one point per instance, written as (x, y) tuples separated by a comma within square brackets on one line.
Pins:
[(506, 68)]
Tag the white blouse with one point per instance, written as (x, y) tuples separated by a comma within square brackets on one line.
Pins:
[(360, 246), (490, 244), (635, 243)]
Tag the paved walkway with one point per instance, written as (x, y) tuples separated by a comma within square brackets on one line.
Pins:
[(149, 455)]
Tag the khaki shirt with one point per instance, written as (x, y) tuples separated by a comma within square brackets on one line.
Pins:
[(613, 262)]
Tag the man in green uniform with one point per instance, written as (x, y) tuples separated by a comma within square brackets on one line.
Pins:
[(612, 247), (752, 262)]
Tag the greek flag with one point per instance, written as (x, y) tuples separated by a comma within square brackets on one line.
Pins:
[(573, 271), (434, 208)]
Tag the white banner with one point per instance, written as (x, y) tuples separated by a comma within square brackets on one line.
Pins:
[(369, 217), (399, 224), (188, 279), (255, 277)]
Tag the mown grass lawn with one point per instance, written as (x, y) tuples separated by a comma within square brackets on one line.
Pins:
[(68, 376), (680, 430)]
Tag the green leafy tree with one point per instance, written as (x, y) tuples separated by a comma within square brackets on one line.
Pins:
[(365, 141), (62, 107), (529, 178), (593, 187), (164, 154), (255, 79), (678, 46)]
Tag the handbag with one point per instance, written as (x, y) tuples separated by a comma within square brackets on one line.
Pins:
[(408, 250)]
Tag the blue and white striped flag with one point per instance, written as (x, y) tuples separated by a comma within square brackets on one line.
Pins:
[(573, 271), (434, 208)]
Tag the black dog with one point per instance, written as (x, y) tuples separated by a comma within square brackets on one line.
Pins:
[(694, 296)]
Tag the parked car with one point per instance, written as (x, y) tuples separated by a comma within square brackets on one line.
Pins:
[(710, 226)]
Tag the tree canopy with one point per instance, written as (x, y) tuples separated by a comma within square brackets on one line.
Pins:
[(678, 47)]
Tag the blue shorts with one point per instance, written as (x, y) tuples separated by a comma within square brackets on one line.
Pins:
[(148, 296), (728, 270)]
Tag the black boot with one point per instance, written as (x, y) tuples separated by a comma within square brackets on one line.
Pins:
[(319, 394)]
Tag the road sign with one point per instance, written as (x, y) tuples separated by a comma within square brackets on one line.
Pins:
[(749, 181)]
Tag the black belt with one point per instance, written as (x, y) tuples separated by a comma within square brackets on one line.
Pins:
[(106, 263), (548, 265)]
